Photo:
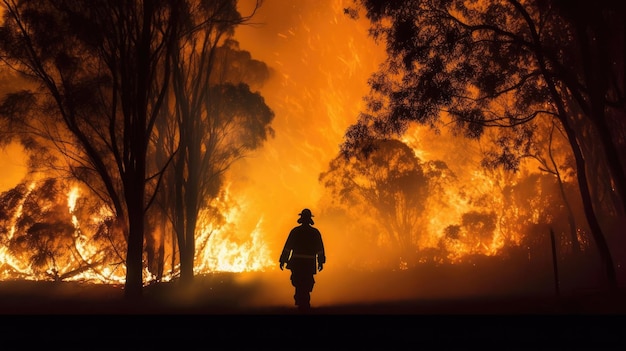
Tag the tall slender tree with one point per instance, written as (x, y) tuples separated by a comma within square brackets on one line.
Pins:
[(217, 117), (101, 70)]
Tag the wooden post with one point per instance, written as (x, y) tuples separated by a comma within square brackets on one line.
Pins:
[(554, 263)]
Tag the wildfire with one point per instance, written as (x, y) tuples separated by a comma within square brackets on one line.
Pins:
[(225, 248), (72, 196), (11, 266), (219, 249), (316, 94), (88, 248)]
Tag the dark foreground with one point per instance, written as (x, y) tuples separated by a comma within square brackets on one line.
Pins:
[(49, 298), (592, 304), (64, 313), (216, 298)]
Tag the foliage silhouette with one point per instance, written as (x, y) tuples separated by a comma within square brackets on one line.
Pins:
[(504, 64)]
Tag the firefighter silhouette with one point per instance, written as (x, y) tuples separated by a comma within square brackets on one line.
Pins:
[(304, 256)]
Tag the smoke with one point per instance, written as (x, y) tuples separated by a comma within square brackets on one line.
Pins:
[(322, 60), (12, 156)]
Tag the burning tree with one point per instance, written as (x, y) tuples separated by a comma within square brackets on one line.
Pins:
[(504, 64), (212, 118), (100, 71), (51, 236), (99, 79), (217, 117), (390, 185), (547, 145)]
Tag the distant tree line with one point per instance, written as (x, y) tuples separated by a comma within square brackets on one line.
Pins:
[(516, 73)]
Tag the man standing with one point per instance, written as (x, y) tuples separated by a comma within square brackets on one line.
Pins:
[(304, 255)]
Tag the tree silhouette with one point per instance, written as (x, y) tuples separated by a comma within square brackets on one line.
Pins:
[(218, 120), (389, 184), (100, 70), (544, 144), (45, 236), (217, 117), (504, 64), (141, 100)]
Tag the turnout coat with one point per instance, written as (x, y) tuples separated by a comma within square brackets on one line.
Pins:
[(303, 250)]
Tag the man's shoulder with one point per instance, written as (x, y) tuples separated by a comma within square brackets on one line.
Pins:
[(312, 229), (304, 228)]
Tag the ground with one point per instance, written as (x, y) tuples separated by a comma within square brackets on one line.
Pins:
[(68, 312), (225, 293)]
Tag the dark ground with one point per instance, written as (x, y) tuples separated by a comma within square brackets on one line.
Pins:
[(66, 312), (224, 294), (48, 298)]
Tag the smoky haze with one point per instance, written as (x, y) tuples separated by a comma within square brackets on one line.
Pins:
[(320, 60), (316, 92)]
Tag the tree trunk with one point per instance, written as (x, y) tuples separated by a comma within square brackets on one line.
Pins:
[(581, 173), (594, 41), (592, 219), (570, 219), (191, 196), (134, 254), (186, 264), (190, 230), (134, 186), (555, 263), (174, 245), (161, 253)]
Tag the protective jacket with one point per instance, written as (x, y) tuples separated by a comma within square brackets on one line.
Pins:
[(303, 250)]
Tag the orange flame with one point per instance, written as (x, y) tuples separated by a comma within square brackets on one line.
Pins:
[(316, 93), (224, 248)]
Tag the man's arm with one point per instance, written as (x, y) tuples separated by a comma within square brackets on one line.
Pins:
[(284, 256), (321, 254)]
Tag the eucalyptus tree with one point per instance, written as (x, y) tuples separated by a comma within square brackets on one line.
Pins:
[(391, 184), (545, 144), (493, 63), (98, 72), (217, 118)]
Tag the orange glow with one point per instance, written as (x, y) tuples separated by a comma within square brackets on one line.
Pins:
[(321, 61), (13, 166), (10, 264), (225, 248), (316, 92)]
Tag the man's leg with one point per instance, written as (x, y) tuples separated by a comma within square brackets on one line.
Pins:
[(304, 285), (302, 298)]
